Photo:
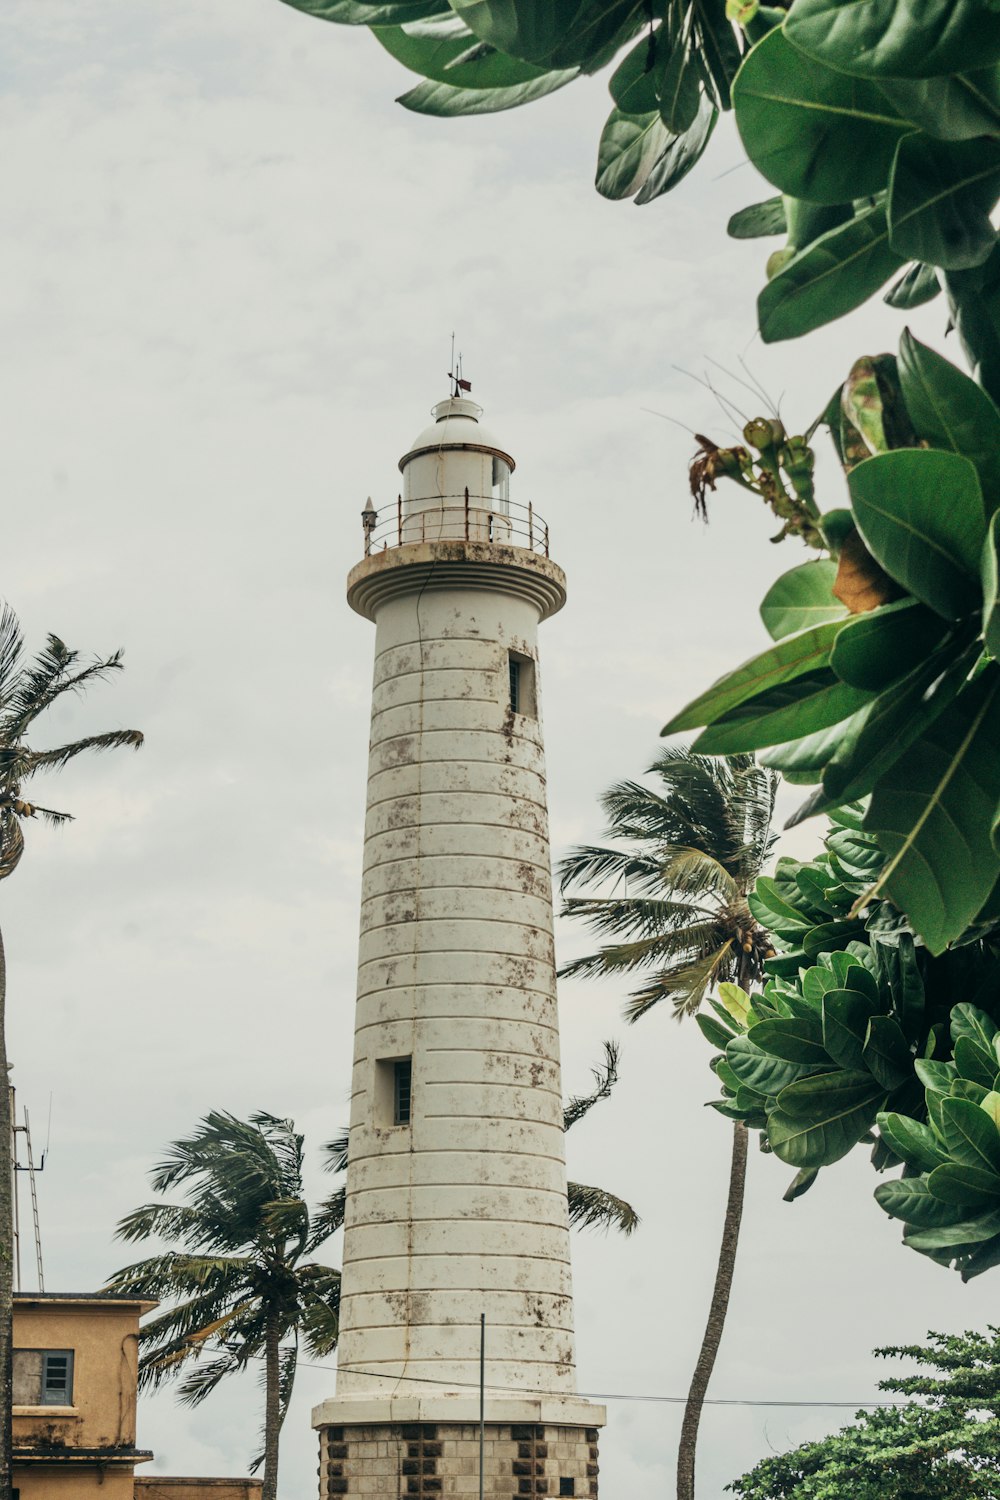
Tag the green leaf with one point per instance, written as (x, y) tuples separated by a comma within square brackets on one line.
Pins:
[(810, 703), (941, 195), (377, 13), (435, 50), (446, 102), (886, 1053), (719, 49), (970, 1136), (828, 935), (814, 132), (912, 1142), (559, 34), (818, 1120), (757, 221), (914, 38), (679, 82), (910, 1199), (772, 910), (736, 1003), (714, 1031), (800, 1183), (891, 724), (806, 651), (836, 273), (803, 761), (758, 1069), (932, 816), (965, 1088), (968, 1020), (846, 1015), (875, 648), (991, 586), (630, 144), (798, 1040), (975, 1062), (633, 83), (679, 155), (936, 1077), (917, 285), (801, 597), (951, 412), (974, 303), (964, 1232), (931, 549), (957, 107), (902, 972), (969, 1187)]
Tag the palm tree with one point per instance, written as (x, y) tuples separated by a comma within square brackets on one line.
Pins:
[(241, 1288), (26, 690), (685, 857)]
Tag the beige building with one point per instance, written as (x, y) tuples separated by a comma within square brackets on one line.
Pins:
[(74, 1411)]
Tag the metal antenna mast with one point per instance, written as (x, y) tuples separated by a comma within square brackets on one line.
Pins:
[(32, 1172)]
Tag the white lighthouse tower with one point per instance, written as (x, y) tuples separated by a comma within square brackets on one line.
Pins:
[(456, 1365)]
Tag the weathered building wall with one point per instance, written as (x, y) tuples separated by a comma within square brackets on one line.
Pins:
[(159, 1487)]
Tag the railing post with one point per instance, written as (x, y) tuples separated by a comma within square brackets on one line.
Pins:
[(546, 538), (466, 512), (399, 520), (531, 527)]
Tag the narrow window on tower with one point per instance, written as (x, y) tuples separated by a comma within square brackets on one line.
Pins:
[(402, 1090), (392, 1102), (521, 678), (567, 1487)]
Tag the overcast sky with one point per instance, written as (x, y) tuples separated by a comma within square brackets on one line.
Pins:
[(231, 268)]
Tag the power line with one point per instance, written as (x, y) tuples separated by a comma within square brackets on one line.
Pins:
[(607, 1395)]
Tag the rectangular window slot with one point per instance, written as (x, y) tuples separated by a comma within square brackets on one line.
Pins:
[(567, 1487), (402, 1090), (392, 1099), (521, 679)]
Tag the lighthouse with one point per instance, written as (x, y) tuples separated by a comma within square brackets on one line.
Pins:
[(455, 1371)]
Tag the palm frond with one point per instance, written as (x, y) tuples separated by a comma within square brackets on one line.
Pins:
[(694, 873), (605, 1077), (113, 739), (320, 1319), (589, 864), (632, 916), (206, 1375), (591, 1207), (663, 949), (11, 842), (335, 1152), (684, 985), (50, 676), (11, 645), (327, 1218)]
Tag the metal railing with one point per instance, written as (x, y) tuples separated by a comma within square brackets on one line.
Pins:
[(449, 518)]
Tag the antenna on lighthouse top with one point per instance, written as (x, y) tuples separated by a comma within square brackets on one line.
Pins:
[(455, 374)]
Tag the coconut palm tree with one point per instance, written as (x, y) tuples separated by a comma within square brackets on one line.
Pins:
[(26, 691), (241, 1289), (685, 855)]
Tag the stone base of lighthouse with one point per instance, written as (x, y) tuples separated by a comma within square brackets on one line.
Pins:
[(430, 1449)]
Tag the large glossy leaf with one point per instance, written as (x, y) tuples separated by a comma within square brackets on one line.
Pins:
[(719, 49), (912, 1142), (914, 38), (846, 1015), (965, 1232), (629, 146), (967, 1020), (932, 816), (633, 83), (377, 13), (771, 909), (975, 1063), (970, 1136), (679, 155), (974, 300), (941, 195), (956, 107), (818, 1120), (898, 961), (554, 33), (679, 84), (801, 597), (875, 648), (951, 412), (829, 278), (798, 1039), (815, 133), (910, 1199), (442, 99), (805, 651), (807, 704), (896, 719), (436, 51), (917, 285), (932, 549), (966, 1186), (806, 759), (886, 1054), (758, 1069), (991, 586)]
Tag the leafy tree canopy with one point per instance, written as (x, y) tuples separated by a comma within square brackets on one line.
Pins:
[(944, 1444)]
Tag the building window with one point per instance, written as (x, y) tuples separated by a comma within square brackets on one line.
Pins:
[(521, 677), (567, 1487), (43, 1377), (392, 1102), (402, 1090)]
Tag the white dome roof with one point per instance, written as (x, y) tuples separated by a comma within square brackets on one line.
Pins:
[(456, 422)]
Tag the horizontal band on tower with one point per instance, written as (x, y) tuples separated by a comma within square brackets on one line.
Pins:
[(418, 566)]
